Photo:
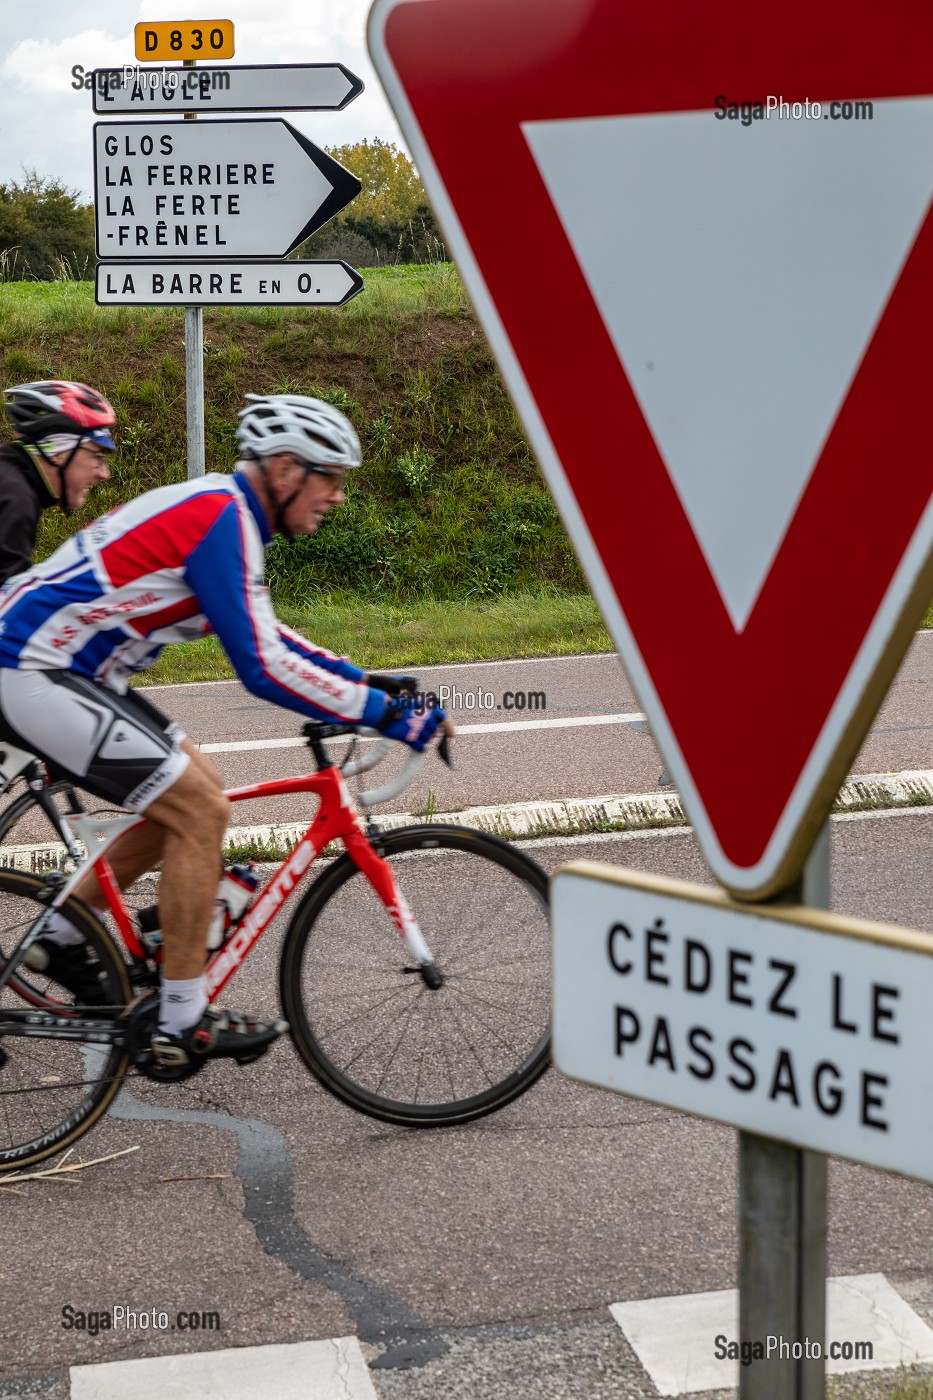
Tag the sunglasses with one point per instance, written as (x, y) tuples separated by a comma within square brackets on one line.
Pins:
[(338, 477), (97, 453)]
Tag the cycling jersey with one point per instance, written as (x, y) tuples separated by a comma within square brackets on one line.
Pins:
[(177, 563), (23, 496)]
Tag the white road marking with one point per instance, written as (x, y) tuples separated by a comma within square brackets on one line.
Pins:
[(674, 1338), (503, 727), (333, 1369)]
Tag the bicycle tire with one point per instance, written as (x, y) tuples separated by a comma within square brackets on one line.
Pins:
[(72, 1082), (372, 1032), (27, 802)]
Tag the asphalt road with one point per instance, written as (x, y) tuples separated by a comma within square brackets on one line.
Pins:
[(477, 1261), (589, 741), (566, 758)]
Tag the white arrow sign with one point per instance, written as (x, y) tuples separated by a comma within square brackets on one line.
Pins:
[(267, 87), (224, 189), (226, 284)]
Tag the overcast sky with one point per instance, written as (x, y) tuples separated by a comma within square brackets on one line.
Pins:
[(45, 123)]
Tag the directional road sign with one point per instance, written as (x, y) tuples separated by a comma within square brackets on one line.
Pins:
[(218, 189), (290, 283), (719, 345), (789, 1023), (268, 87)]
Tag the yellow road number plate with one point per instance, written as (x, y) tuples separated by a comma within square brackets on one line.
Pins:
[(182, 39)]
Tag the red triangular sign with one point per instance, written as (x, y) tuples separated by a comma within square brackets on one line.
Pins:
[(698, 236)]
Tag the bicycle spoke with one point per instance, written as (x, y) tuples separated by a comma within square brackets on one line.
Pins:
[(368, 1045), (515, 1048), (367, 1012), (497, 1006), (471, 1048), (411, 1013)]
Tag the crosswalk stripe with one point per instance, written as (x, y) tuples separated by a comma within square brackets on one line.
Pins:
[(683, 1341), (334, 1369)]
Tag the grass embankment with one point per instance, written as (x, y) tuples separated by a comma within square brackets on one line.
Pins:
[(449, 545)]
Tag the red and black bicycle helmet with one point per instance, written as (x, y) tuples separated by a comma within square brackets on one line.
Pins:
[(60, 406)]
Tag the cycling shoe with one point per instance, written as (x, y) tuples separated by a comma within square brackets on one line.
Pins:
[(76, 967), (218, 1035)]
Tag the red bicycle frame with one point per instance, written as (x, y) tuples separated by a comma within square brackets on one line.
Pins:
[(336, 818)]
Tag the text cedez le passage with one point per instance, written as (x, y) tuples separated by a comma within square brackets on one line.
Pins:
[(205, 176), (692, 968)]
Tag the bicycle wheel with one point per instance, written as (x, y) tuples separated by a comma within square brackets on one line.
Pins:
[(363, 1019), (51, 1090), (27, 822)]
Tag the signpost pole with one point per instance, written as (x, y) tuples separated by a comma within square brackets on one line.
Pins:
[(782, 1236), (194, 388), (194, 371)]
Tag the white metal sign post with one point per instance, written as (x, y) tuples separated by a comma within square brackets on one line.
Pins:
[(194, 365)]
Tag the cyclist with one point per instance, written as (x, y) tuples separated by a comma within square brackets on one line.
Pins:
[(177, 563), (63, 433)]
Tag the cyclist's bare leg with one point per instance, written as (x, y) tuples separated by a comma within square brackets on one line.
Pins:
[(192, 815), (135, 853), (141, 848)]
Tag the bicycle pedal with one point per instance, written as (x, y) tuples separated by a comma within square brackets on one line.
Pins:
[(166, 1074)]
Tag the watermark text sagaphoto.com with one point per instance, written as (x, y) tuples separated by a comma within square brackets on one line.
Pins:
[(748, 112), (121, 1318), (187, 83), (780, 1349), (451, 698)]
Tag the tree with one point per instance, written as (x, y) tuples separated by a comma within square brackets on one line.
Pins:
[(45, 230), (390, 221), (391, 189)]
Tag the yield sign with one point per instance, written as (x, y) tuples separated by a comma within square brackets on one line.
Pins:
[(719, 345)]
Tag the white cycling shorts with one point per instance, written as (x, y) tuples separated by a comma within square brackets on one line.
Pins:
[(118, 747)]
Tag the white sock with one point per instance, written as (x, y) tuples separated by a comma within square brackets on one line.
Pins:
[(182, 1004), (62, 931)]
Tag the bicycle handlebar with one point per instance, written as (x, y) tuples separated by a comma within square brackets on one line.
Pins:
[(367, 760), (410, 770), (315, 732)]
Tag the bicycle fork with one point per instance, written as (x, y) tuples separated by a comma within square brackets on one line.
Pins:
[(381, 876)]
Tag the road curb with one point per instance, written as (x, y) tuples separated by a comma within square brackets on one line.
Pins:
[(574, 816)]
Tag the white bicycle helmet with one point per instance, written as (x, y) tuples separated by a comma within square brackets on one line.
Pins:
[(315, 431)]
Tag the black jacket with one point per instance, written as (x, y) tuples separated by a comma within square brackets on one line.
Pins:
[(23, 497)]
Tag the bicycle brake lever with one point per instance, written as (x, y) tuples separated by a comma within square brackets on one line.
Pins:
[(443, 750)]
